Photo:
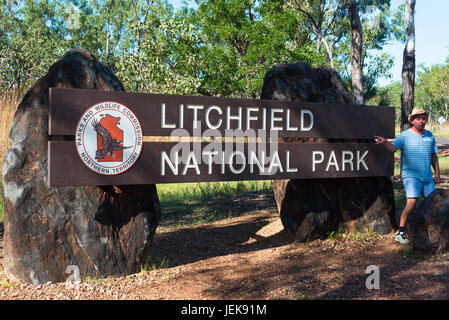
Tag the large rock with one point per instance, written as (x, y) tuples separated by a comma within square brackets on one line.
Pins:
[(427, 224), (101, 230), (313, 207)]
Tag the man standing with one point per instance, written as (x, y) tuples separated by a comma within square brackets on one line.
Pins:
[(419, 153)]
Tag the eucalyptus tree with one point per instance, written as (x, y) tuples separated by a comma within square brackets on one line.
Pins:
[(408, 67), (329, 25), (356, 51), (325, 20)]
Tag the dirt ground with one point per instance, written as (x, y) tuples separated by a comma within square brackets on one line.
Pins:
[(251, 257)]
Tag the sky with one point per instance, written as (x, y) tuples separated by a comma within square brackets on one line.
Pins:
[(431, 36)]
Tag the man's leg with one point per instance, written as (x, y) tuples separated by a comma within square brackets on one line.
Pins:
[(413, 189), (401, 237), (411, 202)]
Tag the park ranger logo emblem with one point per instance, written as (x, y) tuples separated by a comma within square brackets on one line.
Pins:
[(109, 138)]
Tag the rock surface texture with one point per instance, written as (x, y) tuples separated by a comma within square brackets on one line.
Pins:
[(427, 224), (100, 230), (313, 207)]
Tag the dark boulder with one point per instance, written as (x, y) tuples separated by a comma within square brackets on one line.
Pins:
[(313, 207), (101, 230), (301, 82), (427, 224)]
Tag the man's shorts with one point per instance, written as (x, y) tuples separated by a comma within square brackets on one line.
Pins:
[(414, 187)]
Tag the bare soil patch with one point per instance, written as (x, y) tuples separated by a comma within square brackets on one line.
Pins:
[(251, 257)]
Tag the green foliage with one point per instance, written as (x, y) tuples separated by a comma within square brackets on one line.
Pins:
[(223, 48), (242, 40), (330, 30), (389, 95), (28, 43), (379, 25), (220, 48), (432, 90), (165, 58)]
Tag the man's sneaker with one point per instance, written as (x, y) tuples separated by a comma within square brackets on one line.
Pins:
[(401, 237)]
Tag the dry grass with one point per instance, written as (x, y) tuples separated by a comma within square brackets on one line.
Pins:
[(440, 130), (436, 129), (7, 109)]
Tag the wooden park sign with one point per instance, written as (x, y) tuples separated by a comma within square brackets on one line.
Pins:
[(106, 139)]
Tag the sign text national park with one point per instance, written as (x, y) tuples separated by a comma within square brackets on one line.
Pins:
[(109, 139)]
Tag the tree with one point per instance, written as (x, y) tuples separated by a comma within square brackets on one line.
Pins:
[(242, 40), (222, 48), (325, 21), (356, 51), (110, 22), (408, 67), (36, 33), (432, 90), (164, 55), (28, 44), (330, 28)]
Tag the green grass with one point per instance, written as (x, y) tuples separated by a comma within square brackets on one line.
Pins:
[(336, 235), (399, 198), (211, 290), (409, 252), (153, 263), (6, 283), (444, 165), (206, 190), (397, 168), (197, 203), (346, 235)]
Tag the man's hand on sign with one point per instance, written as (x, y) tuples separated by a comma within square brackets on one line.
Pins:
[(385, 143), (380, 140)]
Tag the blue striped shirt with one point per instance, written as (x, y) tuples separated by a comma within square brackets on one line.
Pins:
[(416, 152)]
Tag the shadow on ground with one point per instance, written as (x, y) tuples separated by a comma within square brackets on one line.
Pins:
[(252, 257), (190, 244)]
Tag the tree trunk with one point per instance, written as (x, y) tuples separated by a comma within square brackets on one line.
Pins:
[(408, 67), (329, 52), (356, 52)]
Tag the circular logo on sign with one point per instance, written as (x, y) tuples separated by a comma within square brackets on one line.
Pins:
[(108, 138)]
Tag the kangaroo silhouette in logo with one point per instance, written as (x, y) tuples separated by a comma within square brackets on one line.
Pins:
[(109, 139)]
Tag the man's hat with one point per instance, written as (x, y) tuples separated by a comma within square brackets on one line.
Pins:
[(416, 112)]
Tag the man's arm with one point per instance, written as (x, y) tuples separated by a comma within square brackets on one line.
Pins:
[(436, 167), (384, 142)]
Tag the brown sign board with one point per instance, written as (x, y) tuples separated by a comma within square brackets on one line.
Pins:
[(162, 162), (106, 145), (176, 115)]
